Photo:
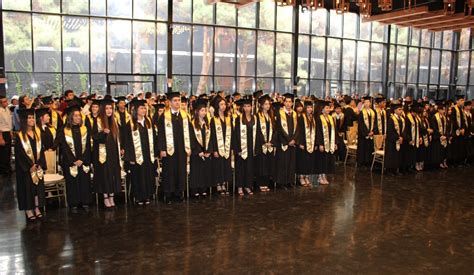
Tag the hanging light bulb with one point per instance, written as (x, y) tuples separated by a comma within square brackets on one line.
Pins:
[(385, 5), (449, 6), (341, 6)]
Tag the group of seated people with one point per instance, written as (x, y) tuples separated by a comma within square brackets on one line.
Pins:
[(250, 142)]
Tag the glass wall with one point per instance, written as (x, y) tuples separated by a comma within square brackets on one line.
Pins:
[(51, 46)]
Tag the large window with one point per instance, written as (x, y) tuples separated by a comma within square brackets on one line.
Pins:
[(51, 46)]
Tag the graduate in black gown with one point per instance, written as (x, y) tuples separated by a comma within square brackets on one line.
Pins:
[(75, 143), (469, 133), (351, 114), (265, 149), (106, 154), (423, 151), (306, 138), (326, 134), (201, 147), (380, 116), (140, 153), (48, 132), (244, 142), (30, 165), (440, 137), (394, 138), (55, 117), (339, 118), (286, 125), (221, 139), (412, 131), (174, 145), (457, 118), (365, 134), (122, 116)]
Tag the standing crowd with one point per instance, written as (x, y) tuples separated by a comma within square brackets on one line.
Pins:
[(251, 141)]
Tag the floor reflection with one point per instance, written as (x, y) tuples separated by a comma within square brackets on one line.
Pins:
[(361, 223)]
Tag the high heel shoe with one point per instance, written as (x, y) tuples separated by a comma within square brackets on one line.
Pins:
[(111, 200), (31, 218), (240, 191), (107, 202), (249, 191), (38, 213)]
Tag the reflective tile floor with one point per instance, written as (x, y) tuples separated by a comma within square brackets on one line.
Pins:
[(360, 224)]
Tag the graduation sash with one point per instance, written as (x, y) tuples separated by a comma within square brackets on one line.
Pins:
[(223, 147), (310, 134), (284, 125), (243, 137), (381, 125), (102, 148), (329, 142), (458, 119), (369, 125), (54, 118), (426, 124), (397, 129), (117, 117), (415, 130), (137, 143), (38, 175), (169, 132), (53, 131), (70, 142), (263, 129), (442, 129), (204, 143)]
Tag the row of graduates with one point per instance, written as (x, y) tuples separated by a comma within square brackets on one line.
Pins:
[(264, 145)]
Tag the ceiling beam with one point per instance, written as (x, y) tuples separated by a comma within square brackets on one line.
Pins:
[(452, 27), (393, 15), (432, 16), (445, 19)]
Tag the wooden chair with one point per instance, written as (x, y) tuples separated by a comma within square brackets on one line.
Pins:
[(54, 183), (379, 151), (351, 144)]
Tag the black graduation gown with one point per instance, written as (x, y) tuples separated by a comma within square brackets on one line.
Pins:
[(122, 124), (458, 146), (201, 169), (47, 139), (174, 167), (341, 129), (325, 161), (107, 175), (244, 168), (365, 145), (25, 189), (469, 137), (438, 152), (221, 167), (142, 176), (410, 151), (392, 155), (305, 164), (285, 160), (264, 163), (349, 117), (422, 152), (78, 188)]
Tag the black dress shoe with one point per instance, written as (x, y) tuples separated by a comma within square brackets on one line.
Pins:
[(86, 208), (74, 210)]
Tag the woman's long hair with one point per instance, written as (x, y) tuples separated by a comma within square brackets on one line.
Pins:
[(218, 100), (69, 120), (197, 124), (135, 119), (310, 119), (105, 123), (270, 111)]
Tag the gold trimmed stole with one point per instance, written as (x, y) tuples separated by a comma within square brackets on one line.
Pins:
[(381, 113), (169, 132), (137, 143), (243, 137), (442, 129), (70, 142), (369, 125), (415, 130), (117, 117), (263, 128), (310, 134), (223, 147), (198, 134), (284, 125), (37, 176), (329, 143)]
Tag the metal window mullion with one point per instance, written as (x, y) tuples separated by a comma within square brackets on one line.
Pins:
[(61, 18), (310, 46), (274, 45), (32, 45)]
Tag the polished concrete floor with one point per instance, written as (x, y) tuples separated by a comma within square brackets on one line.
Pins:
[(363, 224)]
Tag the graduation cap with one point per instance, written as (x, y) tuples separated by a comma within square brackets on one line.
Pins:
[(106, 101), (337, 105), (91, 96), (47, 99), (120, 98), (277, 105), (367, 98), (77, 101), (289, 95), (257, 94), (298, 103), (440, 103), (308, 103), (172, 95), (200, 103), (325, 103), (236, 94), (467, 103), (137, 103), (184, 99), (96, 102), (243, 101), (380, 99), (159, 106), (459, 97), (262, 99), (72, 108), (23, 113), (40, 112)]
